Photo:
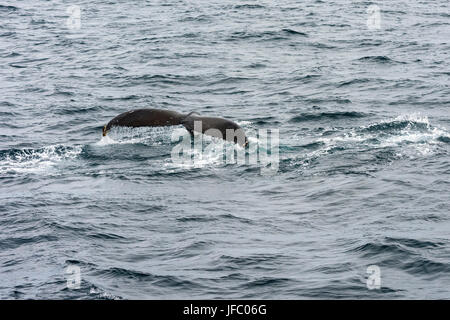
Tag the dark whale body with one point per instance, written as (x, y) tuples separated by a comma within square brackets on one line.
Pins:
[(213, 126), (145, 118), (216, 127)]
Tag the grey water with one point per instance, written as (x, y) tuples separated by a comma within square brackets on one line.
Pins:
[(362, 109)]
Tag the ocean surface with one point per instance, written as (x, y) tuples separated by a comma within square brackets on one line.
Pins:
[(363, 173)]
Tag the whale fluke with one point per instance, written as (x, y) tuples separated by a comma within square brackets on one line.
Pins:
[(213, 126)]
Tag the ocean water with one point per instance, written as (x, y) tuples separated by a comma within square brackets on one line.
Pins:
[(363, 173)]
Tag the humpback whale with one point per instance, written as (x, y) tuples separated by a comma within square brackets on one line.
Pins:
[(212, 126)]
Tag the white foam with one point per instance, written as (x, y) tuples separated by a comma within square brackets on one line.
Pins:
[(416, 117), (244, 123), (199, 157), (40, 160), (105, 140), (411, 140), (145, 135)]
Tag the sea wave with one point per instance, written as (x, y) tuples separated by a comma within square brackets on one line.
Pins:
[(36, 160), (406, 136)]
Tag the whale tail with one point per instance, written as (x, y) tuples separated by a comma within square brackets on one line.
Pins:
[(193, 113), (145, 118), (162, 118)]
